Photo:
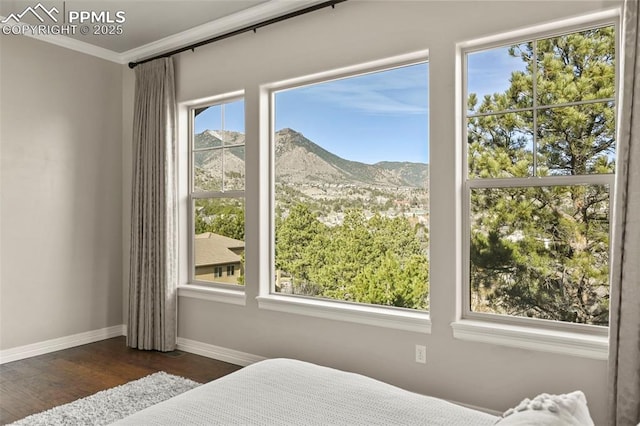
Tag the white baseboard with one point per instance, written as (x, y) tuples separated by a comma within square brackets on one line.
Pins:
[(217, 352), (41, 348), (192, 346)]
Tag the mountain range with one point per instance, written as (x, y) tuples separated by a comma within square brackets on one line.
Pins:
[(299, 161)]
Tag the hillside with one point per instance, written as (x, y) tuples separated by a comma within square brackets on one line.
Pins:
[(301, 162)]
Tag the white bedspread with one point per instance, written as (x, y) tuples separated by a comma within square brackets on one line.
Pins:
[(289, 392)]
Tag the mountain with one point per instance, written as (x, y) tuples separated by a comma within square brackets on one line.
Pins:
[(215, 138), (300, 161), (414, 174)]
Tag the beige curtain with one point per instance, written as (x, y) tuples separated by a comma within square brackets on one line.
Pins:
[(153, 256), (624, 341)]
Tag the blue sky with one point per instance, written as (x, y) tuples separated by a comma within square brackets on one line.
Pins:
[(229, 116), (374, 117), (490, 71)]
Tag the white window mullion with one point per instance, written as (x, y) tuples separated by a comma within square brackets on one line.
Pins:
[(534, 113), (560, 105), (203, 195), (569, 180), (224, 143)]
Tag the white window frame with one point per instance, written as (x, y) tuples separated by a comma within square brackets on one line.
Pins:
[(546, 335), (188, 285), (375, 315)]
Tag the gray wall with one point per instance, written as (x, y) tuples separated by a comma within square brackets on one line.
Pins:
[(359, 31), (61, 192)]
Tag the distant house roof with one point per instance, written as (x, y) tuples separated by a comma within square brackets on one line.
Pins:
[(214, 249)]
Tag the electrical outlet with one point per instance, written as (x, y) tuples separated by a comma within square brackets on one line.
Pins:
[(421, 354)]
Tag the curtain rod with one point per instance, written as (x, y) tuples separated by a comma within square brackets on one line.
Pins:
[(253, 28)]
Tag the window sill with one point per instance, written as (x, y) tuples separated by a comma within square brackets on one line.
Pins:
[(555, 341), (235, 297), (418, 322)]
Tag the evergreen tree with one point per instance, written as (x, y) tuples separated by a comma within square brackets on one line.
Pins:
[(378, 261), (300, 244), (223, 217), (542, 251)]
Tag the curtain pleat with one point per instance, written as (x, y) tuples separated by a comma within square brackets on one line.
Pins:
[(153, 256), (624, 331)]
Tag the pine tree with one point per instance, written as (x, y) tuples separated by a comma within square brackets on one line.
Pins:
[(542, 251)]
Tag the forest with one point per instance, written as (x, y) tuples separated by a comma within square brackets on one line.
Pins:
[(381, 261)]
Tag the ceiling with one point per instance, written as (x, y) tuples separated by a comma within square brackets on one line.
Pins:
[(150, 26)]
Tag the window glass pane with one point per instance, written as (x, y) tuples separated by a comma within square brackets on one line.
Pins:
[(219, 240), (499, 79), (500, 146), (351, 181), (576, 67), (576, 140), (207, 122), (219, 169), (541, 252), (219, 124), (207, 170), (234, 122), (234, 168), (207, 139)]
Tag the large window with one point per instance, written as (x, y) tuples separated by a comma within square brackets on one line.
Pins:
[(540, 133), (217, 174), (351, 166)]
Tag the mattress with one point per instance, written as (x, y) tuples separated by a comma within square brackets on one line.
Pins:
[(290, 392)]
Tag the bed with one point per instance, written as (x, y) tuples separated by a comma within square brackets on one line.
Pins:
[(291, 392)]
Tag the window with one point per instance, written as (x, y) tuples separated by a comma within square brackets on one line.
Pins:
[(540, 161), (217, 175), (351, 186)]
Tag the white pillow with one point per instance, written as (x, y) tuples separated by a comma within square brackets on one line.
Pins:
[(549, 410)]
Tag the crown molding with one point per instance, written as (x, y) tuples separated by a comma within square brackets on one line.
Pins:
[(253, 15)]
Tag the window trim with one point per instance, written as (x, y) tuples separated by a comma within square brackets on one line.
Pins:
[(375, 315), (192, 195), (530, 333), (554, 340), (222, 295)]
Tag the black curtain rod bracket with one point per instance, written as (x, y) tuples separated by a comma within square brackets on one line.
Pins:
[(253, 28)]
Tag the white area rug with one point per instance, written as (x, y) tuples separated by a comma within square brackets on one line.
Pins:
[(113, 404)]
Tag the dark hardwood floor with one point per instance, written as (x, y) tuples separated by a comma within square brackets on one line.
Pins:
[(35, 384)]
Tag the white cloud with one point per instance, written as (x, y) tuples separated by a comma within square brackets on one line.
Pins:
[(402, 91)]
